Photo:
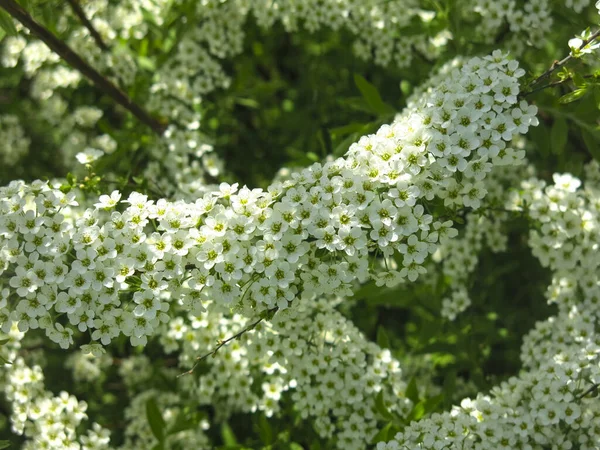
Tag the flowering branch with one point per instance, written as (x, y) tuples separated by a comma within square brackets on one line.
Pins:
[(557, 65), (86, 22), (269, 313), (74, 60)]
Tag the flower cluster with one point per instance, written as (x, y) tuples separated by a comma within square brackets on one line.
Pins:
[(548, 403), (118, 272), (315, 355), (47, 421), (528, 22), (13, 142)]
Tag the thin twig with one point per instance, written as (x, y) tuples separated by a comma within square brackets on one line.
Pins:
[(554, 84), (225, 342), (557, 65), (75, 61), (592, 388), (76, 7)]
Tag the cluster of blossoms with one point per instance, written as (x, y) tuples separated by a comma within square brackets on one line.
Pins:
[(329, 370), (13, 142), (125, 20), (52, 82), (483, 229), (118, 272), (47, 421), (548, 403), (529, 22)]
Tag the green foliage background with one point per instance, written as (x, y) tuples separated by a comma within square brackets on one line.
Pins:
[(296, 99)]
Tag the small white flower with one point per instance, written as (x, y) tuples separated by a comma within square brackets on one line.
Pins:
[(89, 155)]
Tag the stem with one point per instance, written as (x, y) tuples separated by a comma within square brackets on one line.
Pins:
[(76, 7), (558, 64), (592, 388), (75, 61), (225, 342)]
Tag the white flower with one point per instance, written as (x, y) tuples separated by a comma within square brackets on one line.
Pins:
[(89, 155), (108, 201)]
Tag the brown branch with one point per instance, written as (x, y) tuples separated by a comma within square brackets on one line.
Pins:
[(75, 61), (557, 65), (76, 7), (554, 84), (592, 388), (227, 341)]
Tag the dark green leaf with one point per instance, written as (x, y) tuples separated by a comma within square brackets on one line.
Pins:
[(382, 435), (559, 135), (381, 408), (371, 96), (181, 423), (354, 127), (449, 387), (315, 445), (4, 444), (7, 23), (412, 391), (437, 347), (155, 420), (4, 341), (592, 144), (343, 146), (265, 429), (382, 338)]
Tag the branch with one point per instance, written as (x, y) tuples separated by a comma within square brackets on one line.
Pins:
[(269, 313), (557, 65), (75, 61), (81, 15), (592, 388)]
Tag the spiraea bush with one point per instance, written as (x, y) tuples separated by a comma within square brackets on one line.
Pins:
[(309, 225)]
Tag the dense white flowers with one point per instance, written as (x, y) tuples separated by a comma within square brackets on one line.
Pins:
[(310, 353), (548, 403), (119, 272), (13, 142), (45, 420)]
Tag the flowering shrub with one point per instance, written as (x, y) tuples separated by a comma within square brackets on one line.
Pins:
[(417, 279)]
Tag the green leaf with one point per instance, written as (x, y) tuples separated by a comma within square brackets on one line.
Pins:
[(559, 135), (315, 446), (353, 127), (424, 407), (592, 144), (265, 430), (4, 444), (437, 347), (4, 341), (227, 435), (381, 408), (382, 435), (7, 23), (181, 423), (325, 140), (382, 338), (156, 420), (412, 391), (449, 387), (572, 96), (4, 361), (343, 146), (371, 96)]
